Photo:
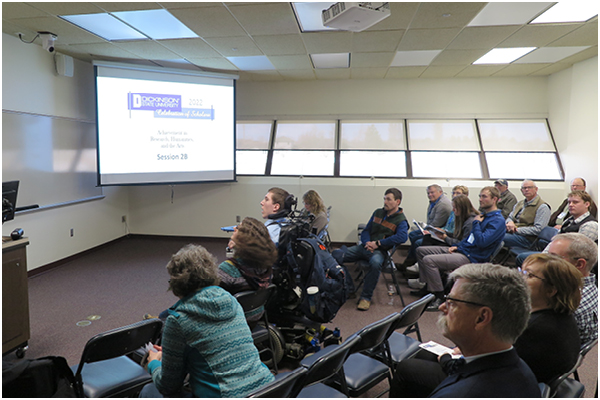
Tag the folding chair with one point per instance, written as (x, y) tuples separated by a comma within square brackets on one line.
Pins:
[(251, 302), (584, 350), (105, 370), (282, 386), (388, 265), (324, 234)]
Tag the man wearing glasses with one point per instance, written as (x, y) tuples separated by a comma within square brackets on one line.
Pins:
[(562, 212), (527, 219), (486, 311)]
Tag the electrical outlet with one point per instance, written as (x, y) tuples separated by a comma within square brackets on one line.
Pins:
[(123, 218), (71, 232), (238, 219)]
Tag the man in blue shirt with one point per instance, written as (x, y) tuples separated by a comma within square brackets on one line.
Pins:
[(487, 233), (386, 228)]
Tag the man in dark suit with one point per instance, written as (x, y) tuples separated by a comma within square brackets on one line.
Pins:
[(486, 310)]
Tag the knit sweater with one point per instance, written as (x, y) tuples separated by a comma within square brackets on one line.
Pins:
[(206, 335)]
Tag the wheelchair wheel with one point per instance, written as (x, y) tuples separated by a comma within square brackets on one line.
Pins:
[(277, 352)]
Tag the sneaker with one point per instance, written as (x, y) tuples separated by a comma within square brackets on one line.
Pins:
[(415, 284), (149, 316), (420, 293), (434, 306), (413, 268), (363, 305)]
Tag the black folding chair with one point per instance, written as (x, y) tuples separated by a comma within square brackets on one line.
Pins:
[(251, 301), (388, 266), (282, 386), (105, 370)]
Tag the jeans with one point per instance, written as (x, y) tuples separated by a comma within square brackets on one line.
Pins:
[(375, 260), (514, 240), (416, 238)]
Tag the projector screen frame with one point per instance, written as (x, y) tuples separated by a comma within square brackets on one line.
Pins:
[(166, 74)]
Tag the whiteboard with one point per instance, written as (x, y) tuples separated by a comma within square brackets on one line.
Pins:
[(54, 158)]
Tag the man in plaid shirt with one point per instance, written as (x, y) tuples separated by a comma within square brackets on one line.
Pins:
[(582, 252)]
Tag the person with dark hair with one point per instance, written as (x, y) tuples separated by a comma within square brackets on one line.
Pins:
[(464, 215), (313, 205), (250, 268), (487, 232), (205, 336), (562, 212), (386, 228), (274, 211)]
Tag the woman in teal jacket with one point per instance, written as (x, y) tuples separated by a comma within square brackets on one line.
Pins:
[(205, 336)]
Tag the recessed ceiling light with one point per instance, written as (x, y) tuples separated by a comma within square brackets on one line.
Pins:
[(504, 56), (158, 24), (104, 25), (331, 60), (568, 11), (508, 13), (252, 63)]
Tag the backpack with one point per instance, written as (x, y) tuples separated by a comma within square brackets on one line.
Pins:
[(42, 377), (326, 275)]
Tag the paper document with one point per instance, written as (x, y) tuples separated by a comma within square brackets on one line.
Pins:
[(438, 349), (423, 227)]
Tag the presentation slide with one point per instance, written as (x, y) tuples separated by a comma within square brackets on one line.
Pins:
[(153, 131)]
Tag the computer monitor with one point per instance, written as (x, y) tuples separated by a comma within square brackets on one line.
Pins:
[(9, 200)]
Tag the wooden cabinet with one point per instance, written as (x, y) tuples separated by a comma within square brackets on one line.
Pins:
[(15, 296)]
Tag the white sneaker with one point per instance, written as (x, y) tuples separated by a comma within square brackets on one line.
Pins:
[(413, 268), (415, 284)]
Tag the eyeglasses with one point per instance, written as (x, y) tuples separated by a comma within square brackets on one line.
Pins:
[(449, 300), (530, 275), (527, 187)]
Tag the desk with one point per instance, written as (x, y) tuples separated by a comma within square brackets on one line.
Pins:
[(15, 297)]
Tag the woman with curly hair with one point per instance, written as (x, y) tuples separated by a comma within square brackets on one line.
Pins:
[(204, 336), (313, 204)]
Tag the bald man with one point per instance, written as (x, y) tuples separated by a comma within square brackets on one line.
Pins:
[(562, 212), (528, 217)]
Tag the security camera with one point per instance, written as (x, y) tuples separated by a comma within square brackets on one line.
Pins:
[(48, 40)]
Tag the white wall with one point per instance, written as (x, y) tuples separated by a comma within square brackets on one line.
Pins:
[(573, 109), (202, 209), (30, 84)]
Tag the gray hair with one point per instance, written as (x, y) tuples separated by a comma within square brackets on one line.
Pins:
[(580, 246), (503, 290), (436, 186), (191, 269)]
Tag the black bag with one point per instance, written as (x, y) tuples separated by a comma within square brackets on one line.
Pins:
[(42, 377), (329, 278)]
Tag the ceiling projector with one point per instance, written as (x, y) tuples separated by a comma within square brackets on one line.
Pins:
[(355, 17)]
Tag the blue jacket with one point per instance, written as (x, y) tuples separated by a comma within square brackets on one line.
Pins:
[(496, 375), (484, 238)]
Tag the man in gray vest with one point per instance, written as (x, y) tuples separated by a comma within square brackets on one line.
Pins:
[(527, 219)]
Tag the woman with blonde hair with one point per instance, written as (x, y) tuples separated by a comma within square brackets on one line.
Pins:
[(313, 204), (550, 344)]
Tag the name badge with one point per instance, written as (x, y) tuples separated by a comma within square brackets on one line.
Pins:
[(471, 239)]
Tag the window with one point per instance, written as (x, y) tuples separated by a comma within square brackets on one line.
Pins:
[(442, 164), (304, 148), (252, 143)]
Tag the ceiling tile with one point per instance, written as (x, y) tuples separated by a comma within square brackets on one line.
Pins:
[(481, 37), (190, 48), (552, 69), (401, 15), (12, 29), (538, 35), (148, 49), (67, 32), (298, 74), (368, 73), (478, 71), (128, 6), (366, 42), (209, 22), (333, 73), (12, 10), (549, 54), (234, 46), (587, 35), (267, 19), (280, 44), (445, 14), (441, 71), (414, 58), (584, 55), (264, 76), (427, 39), (458, 57), (291, 62), (404, 72), (102, 49), (327, 42), (198, 4), (508, 13), (67, 7), (216, 63), (364, 60), (519, 69), (178, 64)]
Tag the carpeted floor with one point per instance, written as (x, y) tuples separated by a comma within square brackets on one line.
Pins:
[(118, 283)]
